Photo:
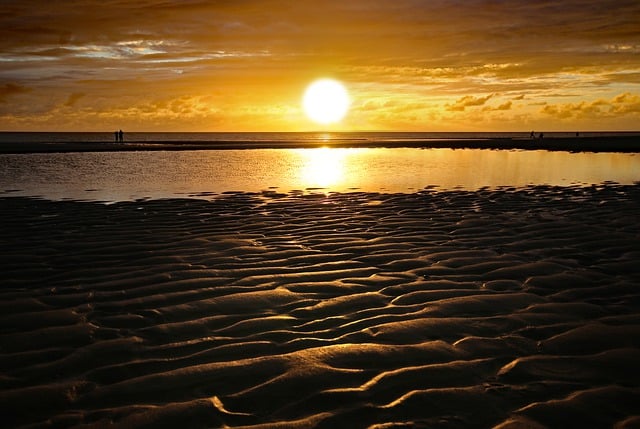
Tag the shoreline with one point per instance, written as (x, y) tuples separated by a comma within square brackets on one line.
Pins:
[(624, 144)]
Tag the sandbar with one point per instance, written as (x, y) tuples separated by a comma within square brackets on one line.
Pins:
[(627, 144)]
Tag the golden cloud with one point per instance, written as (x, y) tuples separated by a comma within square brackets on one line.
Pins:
[(623, 104), (468, 101)]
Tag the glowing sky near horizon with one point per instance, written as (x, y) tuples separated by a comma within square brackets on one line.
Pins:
[(409, 65)]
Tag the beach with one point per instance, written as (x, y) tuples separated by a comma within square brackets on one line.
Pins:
[(622, 142), (496, 308)]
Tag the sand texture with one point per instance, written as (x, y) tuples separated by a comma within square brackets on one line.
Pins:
[(508, 308)]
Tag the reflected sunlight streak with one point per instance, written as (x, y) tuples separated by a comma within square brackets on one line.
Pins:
[(324, 167)]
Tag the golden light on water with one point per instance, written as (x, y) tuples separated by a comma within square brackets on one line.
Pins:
[(323, 167), (205, 173)]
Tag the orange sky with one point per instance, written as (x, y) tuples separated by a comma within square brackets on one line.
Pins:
[(423, 65)]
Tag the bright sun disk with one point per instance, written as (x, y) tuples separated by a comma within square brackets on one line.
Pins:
[(326, 101)]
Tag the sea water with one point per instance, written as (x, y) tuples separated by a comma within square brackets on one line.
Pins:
[(117, 176)]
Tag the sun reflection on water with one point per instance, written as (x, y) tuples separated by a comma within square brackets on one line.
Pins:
[(323, 167), (328, 167)]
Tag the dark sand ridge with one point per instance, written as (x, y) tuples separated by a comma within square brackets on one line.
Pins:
[(570, 144), (497, 308)]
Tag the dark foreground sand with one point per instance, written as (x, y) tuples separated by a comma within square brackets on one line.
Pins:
[(508, 309)]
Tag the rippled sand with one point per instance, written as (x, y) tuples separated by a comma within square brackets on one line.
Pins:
[(498, 308)]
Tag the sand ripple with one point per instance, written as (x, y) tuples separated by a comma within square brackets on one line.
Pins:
[(506, 308)]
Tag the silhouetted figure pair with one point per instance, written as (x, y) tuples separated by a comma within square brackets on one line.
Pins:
[(532, 135), (119, 136)]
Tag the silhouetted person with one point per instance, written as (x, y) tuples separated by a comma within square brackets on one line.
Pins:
[(532, 135), (120, 136), (117, 136), (541, 136)]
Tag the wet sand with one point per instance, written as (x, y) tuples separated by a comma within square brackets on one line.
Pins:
[(500, 308), (570, 144)]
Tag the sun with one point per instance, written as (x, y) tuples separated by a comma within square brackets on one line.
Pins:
[(325, 101)]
